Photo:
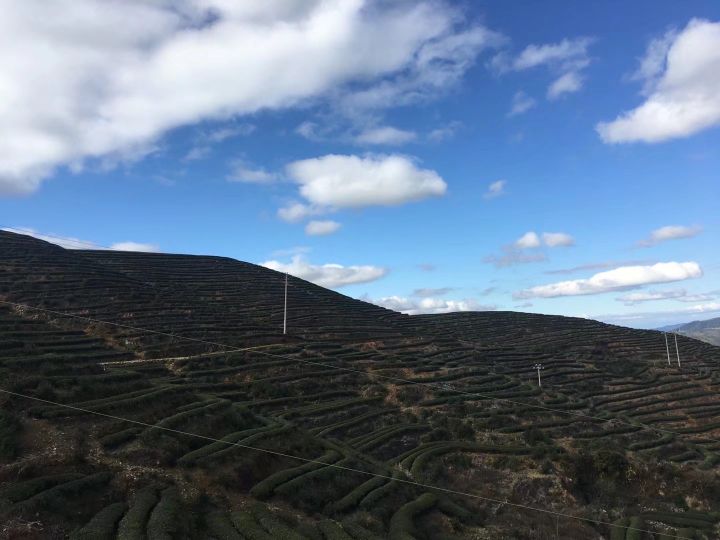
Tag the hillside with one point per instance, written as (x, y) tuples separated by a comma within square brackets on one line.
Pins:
[(155, 396), (708, 330)]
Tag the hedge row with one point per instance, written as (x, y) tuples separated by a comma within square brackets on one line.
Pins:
[(133, 525), (402, 523), (24, 490), (266, 487), (54, 497), (103, 525), (167, 520)]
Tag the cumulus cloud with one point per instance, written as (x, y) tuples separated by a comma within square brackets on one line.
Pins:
[(123, 74), (321, 228), (415, 306), (670, 232), (135, 246), (521, 103), (528, 240), (331, 276), (621, 278), (558, 239), (348, 181), (681, 74), (567, 58), (495, 189), (517, 252), (385, 135)]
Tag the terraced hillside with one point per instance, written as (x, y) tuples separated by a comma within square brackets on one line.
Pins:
[(170, 405)]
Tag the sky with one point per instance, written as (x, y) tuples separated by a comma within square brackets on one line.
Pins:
[(429, 156)]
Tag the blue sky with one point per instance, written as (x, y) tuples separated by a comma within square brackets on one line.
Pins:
[(555, 157)]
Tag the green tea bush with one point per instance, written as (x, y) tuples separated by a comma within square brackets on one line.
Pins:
[(9, 431), (220, 527), (24, 490), (132, 526), (103, 525), (167, 521), (402, 526)]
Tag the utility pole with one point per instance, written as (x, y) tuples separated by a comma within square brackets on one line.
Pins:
[(667, 347), (677, 350), (285, 310), (539, 367)]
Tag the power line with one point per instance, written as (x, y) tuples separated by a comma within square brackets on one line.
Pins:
[(430, 384), (341, 467)]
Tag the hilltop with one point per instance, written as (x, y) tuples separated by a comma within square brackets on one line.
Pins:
[(169, 404)]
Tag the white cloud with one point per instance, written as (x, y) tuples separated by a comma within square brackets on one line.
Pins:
[(197, 152), (346, 181), (430, 292), (242, 172), (444, 132), (228, 132), (321, 228), (682, 83), (135, 246), (670, 232), (385, 135), (495, 189), (632, 299), (658, 318), (327, 275), (557, 239), (516, 253), (568, 58), (680, 295), (415, 306), (618, 279), (67, 242), (512, 256), (521, 103), (528, 240), (70, 242), (123, 74), (569, 53), (296, 212), (566, 83)]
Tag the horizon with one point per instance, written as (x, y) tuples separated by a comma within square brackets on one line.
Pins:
[(428, 157)]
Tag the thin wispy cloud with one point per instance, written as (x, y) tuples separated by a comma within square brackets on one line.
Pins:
[(669, 232), (496, 189)]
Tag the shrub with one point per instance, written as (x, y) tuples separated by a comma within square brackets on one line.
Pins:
[(167, 521), (102, 526), (132, 526), (220, 527), (9, 430), (402, 526)]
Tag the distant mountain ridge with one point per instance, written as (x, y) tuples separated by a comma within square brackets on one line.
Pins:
[(707, 330)]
